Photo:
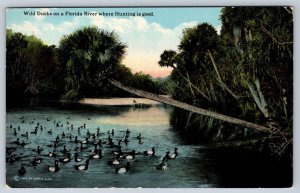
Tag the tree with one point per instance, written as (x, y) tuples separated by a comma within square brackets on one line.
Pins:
[(258, 43), (31, 66), (90, 56), (16, 44)]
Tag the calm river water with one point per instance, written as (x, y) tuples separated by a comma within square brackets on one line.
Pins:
[(196, 165)]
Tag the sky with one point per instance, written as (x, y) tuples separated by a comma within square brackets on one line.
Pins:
[(146, 36)]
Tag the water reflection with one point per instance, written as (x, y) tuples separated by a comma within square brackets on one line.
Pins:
[(190, 169)]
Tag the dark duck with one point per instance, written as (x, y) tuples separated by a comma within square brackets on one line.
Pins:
[(82, 166), (54, 168), (124, 169), (22, 170)]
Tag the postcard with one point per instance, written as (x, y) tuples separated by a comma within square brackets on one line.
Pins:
[(151, 97)]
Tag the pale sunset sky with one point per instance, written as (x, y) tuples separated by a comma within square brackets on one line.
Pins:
[(146, 37)]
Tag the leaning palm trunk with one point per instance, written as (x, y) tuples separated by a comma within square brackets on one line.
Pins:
[(259, 97), (220, 79), (191, 108), (190, 83)]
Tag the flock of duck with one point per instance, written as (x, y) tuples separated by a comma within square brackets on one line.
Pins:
[(81, 148)]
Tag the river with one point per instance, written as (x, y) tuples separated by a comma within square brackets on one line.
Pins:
[(196, 166)]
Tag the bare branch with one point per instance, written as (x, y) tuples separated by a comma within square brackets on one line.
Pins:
[(220, 79), (273, 36)]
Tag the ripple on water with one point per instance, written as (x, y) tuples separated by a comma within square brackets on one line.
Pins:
[(153, 123)]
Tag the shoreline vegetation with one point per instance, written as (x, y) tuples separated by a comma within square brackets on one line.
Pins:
[(244, 73)]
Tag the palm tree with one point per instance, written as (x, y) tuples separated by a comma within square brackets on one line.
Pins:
[(170, 58), (90, 55)]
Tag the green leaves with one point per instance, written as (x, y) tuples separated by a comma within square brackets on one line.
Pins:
[(90, 55), (31, 67), (168, 58)]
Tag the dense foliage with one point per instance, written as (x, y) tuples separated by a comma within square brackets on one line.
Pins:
[(246, 71), (77, 68), (31, 67)]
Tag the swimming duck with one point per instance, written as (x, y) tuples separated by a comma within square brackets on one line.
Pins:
[(25, 135), (118, 151), (163, 165), (83, 166), (54, 144), (50, 131), (22, 170), (99, 143), (97, 154), (54, 168), (98, 132), (119, 144), (64, 151), (110, 142), (86, 141), (81, 148), (22, 143), (52, 154), (124, 169), (76, 158), (34, 132), (92, 136), (66, 159), (167, 156), (116, 161), (95, 148), (38, 149), (174, 155), (140, 141), (150, 152), (12, 159), (17, 142), (130, 155), (36, 161), (76, 140), (126, 141)]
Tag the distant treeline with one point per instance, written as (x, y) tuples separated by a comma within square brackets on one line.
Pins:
[(36, 70)]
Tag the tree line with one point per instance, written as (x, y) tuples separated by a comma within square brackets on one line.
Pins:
[(246, 71), (65, 73)]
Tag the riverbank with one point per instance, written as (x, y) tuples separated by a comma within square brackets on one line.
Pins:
[(119, 101)]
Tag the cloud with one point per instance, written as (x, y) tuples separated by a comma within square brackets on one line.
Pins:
[(26, 28), (146, 40), (218, 28), (40, 17)]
